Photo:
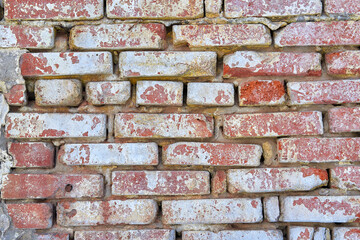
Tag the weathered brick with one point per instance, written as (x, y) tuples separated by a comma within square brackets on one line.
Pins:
[(113, 212), (210, 94), (218, 182), (275, 179), (249, 63), (213, 8), (109, 154), (213, 154), (221, 35), (159, 93), (100, 93), (118, 36), (66, 63), (160, 183), (324, 92), (346, 233), (235, 234), (322, 209), (31, 215), (167, 64), (17, 95), (142, 125), (343, 7), (212, 211), (52, 236), (308, 233), (55, 125), (158, 9), (271, 209), (38, 186), (344, 119), (261, 92), (345, 63), (32, 154), (23, 36), (319, 34), (53, 10), (148, 234), (58, 92), (282, 8), (318, 150), (273, 124), (345, 177)]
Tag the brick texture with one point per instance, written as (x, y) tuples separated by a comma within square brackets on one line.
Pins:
[(159, 93), (151, 234), (210, 94), (344, 63), (108, 93)]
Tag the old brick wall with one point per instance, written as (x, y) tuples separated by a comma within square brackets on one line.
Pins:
[(181, 119)]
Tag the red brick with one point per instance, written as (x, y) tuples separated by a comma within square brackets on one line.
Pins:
[(224, 35), (212, 154), (233, 234), (282, 8), (118, 36), (346, 233), (261, 92), (146, 234), (159, 93), (32, 215), (51, 125), (139, 125), (17, 95), (32, 154), (158, 9), (318, 150), (343, 7), (52, 236), (275, 179), (160, 183), (104, 93), (345, 177), (23, 36), (319, 34), (344, 119), (38, 186), (210, 94), (218, 182), (212, 211), (66, 64), (53, 10), (273, 124), (324, 92), (113, 212), (249, 63), (345, 63)]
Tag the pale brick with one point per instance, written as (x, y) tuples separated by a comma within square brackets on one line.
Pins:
[(346, 63), (212, 211), (113, 212), (212, 154), (59, 92), (343, 7), (347, 178), (66, 64), (308, 233), (210, 94), (52, 236), (118, 36), (146, 234), (213, 8), (167, 64), (344, 119), (235, 234), (32, 154), (159, 93), (249, 63), (160, 183), (105, 154), (346, 233), (273, 124), (271, 209), (142, 125), (104, 93)]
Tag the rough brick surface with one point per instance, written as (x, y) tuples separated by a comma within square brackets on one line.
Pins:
[(118, 36), (213, 8), (218, 182), (110, 154), (113, 212), (17, 95), (344, 119), (213, 154), (159, 93), (346, 233), (52, 236), (249, 63), (229, 235), (148, 234), (273, 124), (343, 7), (167, 64), (345, 63), (308, 233), (160, 183), (345, 178), (271, 209), (138, 125), (210, 94), (104, 93), (212, 211)]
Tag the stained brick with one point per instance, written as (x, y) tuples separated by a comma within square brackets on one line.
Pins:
[(139, 125), (113, 212), (344, 119), (100, 93), (148, 234), (307, 233), (212, 211), (273, 124), (213, 8), (160, 183), (213, 154), (224, 35), (109, 154), (249, 63), (343, 7), (210, 94), (17, 95), (346, 233), (346, 63), (118, 36), (235, 234), (159, 93), (218, 182), (167, 64), (271, 209), (52, 236), (345, 177), (66, 64)]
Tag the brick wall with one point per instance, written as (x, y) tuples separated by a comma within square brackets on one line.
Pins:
[(182, 119)]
